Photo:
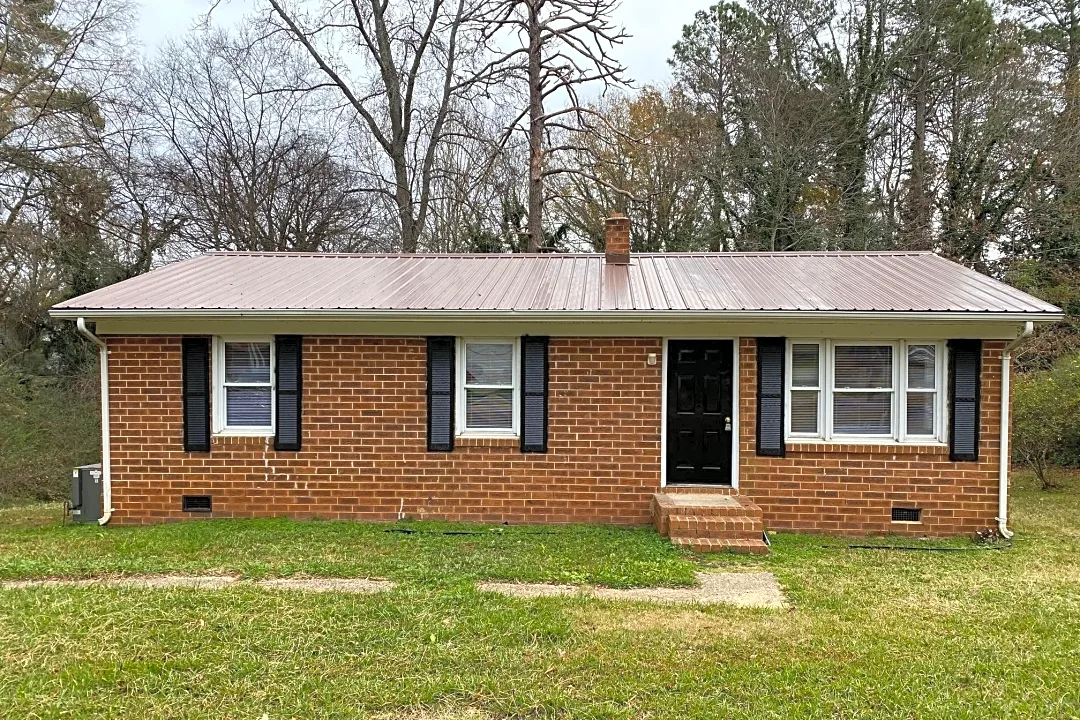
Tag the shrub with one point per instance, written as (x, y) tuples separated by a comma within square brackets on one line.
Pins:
[(1046, 418), (48, 425)]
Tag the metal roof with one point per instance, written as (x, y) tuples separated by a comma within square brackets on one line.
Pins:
[(548, 284)]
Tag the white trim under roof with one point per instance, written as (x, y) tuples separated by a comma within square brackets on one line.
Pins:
[(567, 315)]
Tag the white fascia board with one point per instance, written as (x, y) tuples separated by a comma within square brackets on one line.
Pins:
[(564, 315)]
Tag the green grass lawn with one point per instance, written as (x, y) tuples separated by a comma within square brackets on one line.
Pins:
[(976, 633)]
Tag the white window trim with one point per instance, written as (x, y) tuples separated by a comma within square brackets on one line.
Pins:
[(939, 393), (890, 436), (826, 381), (219, 415), (789, 386), (465, 432)]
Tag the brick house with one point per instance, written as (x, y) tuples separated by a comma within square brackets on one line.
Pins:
[(850, 393)]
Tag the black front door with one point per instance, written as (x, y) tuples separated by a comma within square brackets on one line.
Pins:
[(699, 411)]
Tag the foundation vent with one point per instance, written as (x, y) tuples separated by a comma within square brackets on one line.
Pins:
[(907, 515), (197, 503)]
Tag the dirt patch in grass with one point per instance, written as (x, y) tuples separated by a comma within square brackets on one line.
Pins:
[(150, 582), (756, 589), (435, 714), (690, 623), (211, 582), (345, 585)]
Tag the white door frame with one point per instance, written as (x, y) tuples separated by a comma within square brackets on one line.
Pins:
[(734, 408)]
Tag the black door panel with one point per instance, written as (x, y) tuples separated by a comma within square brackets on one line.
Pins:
[(699, 411)]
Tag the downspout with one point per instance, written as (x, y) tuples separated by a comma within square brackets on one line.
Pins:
[(106, 454), (1004, 459)]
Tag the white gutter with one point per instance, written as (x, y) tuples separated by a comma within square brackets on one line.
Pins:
[(550, 315), (106, 453), (1004, 459)]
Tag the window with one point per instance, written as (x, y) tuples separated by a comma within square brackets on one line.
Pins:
[(806, 371), (243, 386), (862, 390), (853, 389), (922, 391), (488, 382)]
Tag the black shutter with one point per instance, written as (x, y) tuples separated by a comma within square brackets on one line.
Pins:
[(534, 394), (965, 384), (196, 389), (290, 386), (440, 394), (770, 397)]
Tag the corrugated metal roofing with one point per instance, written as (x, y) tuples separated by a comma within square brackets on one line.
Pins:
[(672, 282)]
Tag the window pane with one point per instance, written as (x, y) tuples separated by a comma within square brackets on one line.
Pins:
[(489, 409), (921, 368), (920, 413), (804, 411), (863, 366), (804, 366), (862, 413), (247, 407), (489, 364), (247, 362)]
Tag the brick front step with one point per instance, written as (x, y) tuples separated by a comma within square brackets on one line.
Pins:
[(698, 504), (704, 545), (722, 528), (689, 510), (709, 521), (713, 505)]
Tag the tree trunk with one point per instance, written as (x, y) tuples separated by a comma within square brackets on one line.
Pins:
[(918, 202), (1071, 71), (855, 148), (410, 231), (918, 171), (720, 237), (536, 131), (717, 234)]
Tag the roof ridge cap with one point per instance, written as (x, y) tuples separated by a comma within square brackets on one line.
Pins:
[(428, 255), (507, 256)]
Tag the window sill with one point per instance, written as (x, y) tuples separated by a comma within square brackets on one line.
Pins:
[(866, 445), (254, 433), (473, 440)]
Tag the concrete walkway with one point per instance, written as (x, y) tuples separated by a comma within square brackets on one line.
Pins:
[(753, 589), (212, 582)]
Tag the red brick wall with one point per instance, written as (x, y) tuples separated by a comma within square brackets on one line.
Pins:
[(851, 489), (364, 446), (365, 449)]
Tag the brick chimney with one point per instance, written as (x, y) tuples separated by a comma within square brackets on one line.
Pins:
[(617, 239)]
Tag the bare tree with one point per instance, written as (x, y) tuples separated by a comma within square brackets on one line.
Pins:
[(401, 68), (477, 188), (248, 167), (647, 150), (141, 221), (561, 49)]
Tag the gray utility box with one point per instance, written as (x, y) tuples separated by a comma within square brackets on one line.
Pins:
[(86, 505)]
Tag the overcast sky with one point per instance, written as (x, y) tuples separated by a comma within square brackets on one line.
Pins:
[(654, 24)]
